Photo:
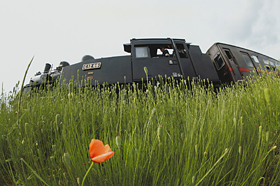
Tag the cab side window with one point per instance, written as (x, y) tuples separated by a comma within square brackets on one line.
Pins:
[(142, 52), (170, 52), (182, 51)]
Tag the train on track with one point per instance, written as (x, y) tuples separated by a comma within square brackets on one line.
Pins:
[(148, 59)]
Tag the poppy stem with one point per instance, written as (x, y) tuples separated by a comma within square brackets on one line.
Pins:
[(87, 173)]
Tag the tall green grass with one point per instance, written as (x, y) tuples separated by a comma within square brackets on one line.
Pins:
[(169, 135)]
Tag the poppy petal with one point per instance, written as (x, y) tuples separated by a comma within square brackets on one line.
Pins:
[(96, 148), (103, 157), (107, 148)]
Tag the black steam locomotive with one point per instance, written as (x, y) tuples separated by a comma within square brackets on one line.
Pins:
[(166, 57)]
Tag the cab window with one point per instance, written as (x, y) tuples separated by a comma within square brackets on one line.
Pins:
[(170, 52), (182, 51), (142, 52), (153, 51)]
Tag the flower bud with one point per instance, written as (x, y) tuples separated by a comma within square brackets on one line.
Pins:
[(57, 119), (239, 149), (193, 179), (146, 70), (234, 122), (78, 181), (266, 95), (159, 133), (266, 136), (54, 147), (64, 174), (66, 159), (118, 141)]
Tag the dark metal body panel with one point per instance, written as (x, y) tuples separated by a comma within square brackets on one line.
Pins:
[(156, 67), (113, 70), (203, 64)]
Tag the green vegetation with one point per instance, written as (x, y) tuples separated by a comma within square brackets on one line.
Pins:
[(163, 136)]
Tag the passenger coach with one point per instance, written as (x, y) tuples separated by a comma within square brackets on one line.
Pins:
[(233, 63)]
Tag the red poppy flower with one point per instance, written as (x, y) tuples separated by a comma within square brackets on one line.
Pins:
[(98, 152)]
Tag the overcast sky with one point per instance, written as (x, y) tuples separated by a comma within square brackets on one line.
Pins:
[(58, 30)]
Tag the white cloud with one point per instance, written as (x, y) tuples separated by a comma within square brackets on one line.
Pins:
[(256, 26)]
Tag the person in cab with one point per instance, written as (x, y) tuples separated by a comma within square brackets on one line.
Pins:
[(165, 52)]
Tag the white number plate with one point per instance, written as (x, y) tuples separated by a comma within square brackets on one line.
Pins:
[(91, 66)]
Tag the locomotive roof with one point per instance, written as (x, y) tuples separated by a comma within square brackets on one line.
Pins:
[(145, 41)]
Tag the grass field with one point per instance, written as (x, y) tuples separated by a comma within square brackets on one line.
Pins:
[(165, 136)]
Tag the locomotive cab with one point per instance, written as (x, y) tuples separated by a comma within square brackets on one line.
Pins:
[(169, 58)]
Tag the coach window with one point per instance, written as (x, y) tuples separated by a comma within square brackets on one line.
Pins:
[(219, 61), (228, 54), (142, 52), (247, 60), (266, 62), (272, 65), (277, 63), (255, 58)]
